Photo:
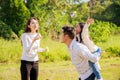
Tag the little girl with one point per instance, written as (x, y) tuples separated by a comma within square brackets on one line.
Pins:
[(82, 36), (31, 45)]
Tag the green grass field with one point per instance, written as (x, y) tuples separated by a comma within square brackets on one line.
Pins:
[(112, 41), (57, 65), (63, 70)]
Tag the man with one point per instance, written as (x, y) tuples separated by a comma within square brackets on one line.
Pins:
[(79, 53)]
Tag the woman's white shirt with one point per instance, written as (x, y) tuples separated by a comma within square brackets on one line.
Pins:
[(30, 48)]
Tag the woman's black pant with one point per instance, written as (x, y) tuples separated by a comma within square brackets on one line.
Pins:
[(29, 69)]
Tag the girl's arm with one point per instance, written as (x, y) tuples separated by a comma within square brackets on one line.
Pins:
[(85, 34), (85, 31)]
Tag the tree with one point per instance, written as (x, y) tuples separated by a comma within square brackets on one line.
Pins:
[(14, 14), (105, 10), (5, 31)]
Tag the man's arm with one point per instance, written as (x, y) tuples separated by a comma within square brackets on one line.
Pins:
[(84, 52)]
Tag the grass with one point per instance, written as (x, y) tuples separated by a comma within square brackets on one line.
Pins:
[(111, 68), (113, 40), (63, 70), (114, 43), (11, 50)]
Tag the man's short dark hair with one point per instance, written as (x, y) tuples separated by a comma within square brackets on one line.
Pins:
[(67, 30)]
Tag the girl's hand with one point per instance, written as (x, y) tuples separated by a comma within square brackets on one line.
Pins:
[(90, 21)]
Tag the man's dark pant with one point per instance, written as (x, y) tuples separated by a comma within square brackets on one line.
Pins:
[(91, 77), (29, 69)]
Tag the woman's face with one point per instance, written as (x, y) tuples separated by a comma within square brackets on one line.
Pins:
[(33, 25), (77, 29)]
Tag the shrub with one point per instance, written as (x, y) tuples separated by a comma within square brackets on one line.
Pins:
[(115, 51), (100, 31), (114, 29), (6, 31)]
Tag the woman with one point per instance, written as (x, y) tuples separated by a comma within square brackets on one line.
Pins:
[(30, 43), (82, 36)]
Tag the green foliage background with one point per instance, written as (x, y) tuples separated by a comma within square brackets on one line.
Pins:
[(54, 14)]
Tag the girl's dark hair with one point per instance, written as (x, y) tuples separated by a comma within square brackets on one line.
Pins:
[(81, 25), (67, 30), (28, 23)]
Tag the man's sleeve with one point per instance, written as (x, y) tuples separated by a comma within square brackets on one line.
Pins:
[(85, 53)]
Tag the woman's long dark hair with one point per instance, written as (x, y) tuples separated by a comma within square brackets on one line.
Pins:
[(81, 25), (28, 23)]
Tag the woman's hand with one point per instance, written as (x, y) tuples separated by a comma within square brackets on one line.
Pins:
[(44, 50), (37, 37)]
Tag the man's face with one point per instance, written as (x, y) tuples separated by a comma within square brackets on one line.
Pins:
[(63, 38)]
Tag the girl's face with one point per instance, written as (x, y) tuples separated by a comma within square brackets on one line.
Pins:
[(33, 25), (77, 29)]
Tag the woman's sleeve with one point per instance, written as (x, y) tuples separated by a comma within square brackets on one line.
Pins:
[(40, 49)]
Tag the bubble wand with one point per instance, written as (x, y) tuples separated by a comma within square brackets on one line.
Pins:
[(47, 50)]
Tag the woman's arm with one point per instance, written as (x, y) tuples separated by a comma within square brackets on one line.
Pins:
[(29, 45), (26, 42), (41, 49)]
